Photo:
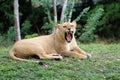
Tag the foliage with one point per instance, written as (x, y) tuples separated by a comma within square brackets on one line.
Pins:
[(48, 24), (47, 27), (36, 3), (88, 33), (104, 65), (32, 16), (26, 27), (80, 29), (83, 13), (6, 15), (47, 5), (9, 38), (36, 16), (11, 33), (109, 24), (31, 36)]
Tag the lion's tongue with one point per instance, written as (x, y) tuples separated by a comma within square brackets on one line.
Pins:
[(69, 38)]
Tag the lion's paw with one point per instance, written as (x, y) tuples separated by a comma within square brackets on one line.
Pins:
[(59, 57), (89, 55)]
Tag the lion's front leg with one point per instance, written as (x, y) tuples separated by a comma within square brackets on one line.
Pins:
[(82, 52), (73, 53)]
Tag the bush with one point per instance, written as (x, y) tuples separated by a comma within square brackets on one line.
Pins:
[(87, 33), (26, 27), (31, 36), (108, 26), (9, 38), (48, 27)]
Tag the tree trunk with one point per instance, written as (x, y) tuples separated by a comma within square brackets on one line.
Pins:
[(63, 16), (55, 11), (16, 19), (55, 14), (70, 14)]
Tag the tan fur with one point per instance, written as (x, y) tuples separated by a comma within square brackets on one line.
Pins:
[(52, 46)]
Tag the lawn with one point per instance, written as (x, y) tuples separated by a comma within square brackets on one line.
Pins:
[(104, 65)]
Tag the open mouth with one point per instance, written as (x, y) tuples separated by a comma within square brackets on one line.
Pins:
[(69, 36)]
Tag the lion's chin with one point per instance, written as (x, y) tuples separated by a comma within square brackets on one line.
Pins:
[(69, 36)]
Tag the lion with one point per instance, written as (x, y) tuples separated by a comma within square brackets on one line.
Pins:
[(57, 45)]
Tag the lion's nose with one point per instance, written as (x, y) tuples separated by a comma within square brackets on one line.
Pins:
[(69, 29)]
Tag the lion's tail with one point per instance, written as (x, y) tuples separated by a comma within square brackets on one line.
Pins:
[(12, 55)]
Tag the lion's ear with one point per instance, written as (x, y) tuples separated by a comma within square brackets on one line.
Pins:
[(74, 23), (58, 25)]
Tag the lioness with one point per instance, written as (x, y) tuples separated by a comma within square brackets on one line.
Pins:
[(60, 43)]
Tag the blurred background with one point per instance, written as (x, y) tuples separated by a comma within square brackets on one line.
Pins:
[(97, 20)]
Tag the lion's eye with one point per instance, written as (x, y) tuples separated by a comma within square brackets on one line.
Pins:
[(64, 26)]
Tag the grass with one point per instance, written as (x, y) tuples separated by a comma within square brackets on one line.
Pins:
[(104, 65)]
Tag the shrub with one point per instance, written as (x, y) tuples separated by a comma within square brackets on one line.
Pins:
[(31, 36), (88, 30), (109, 24), (26, 27), (47, 27), (9, 38)]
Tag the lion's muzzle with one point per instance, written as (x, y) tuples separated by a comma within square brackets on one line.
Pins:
[(69, 35)]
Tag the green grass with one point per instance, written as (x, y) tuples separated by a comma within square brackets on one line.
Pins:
[(104, 65)]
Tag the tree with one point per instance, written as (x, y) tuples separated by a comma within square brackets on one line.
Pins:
[(55, 11), (63, 16), (16, 19), (67, 10), (70, 14)]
